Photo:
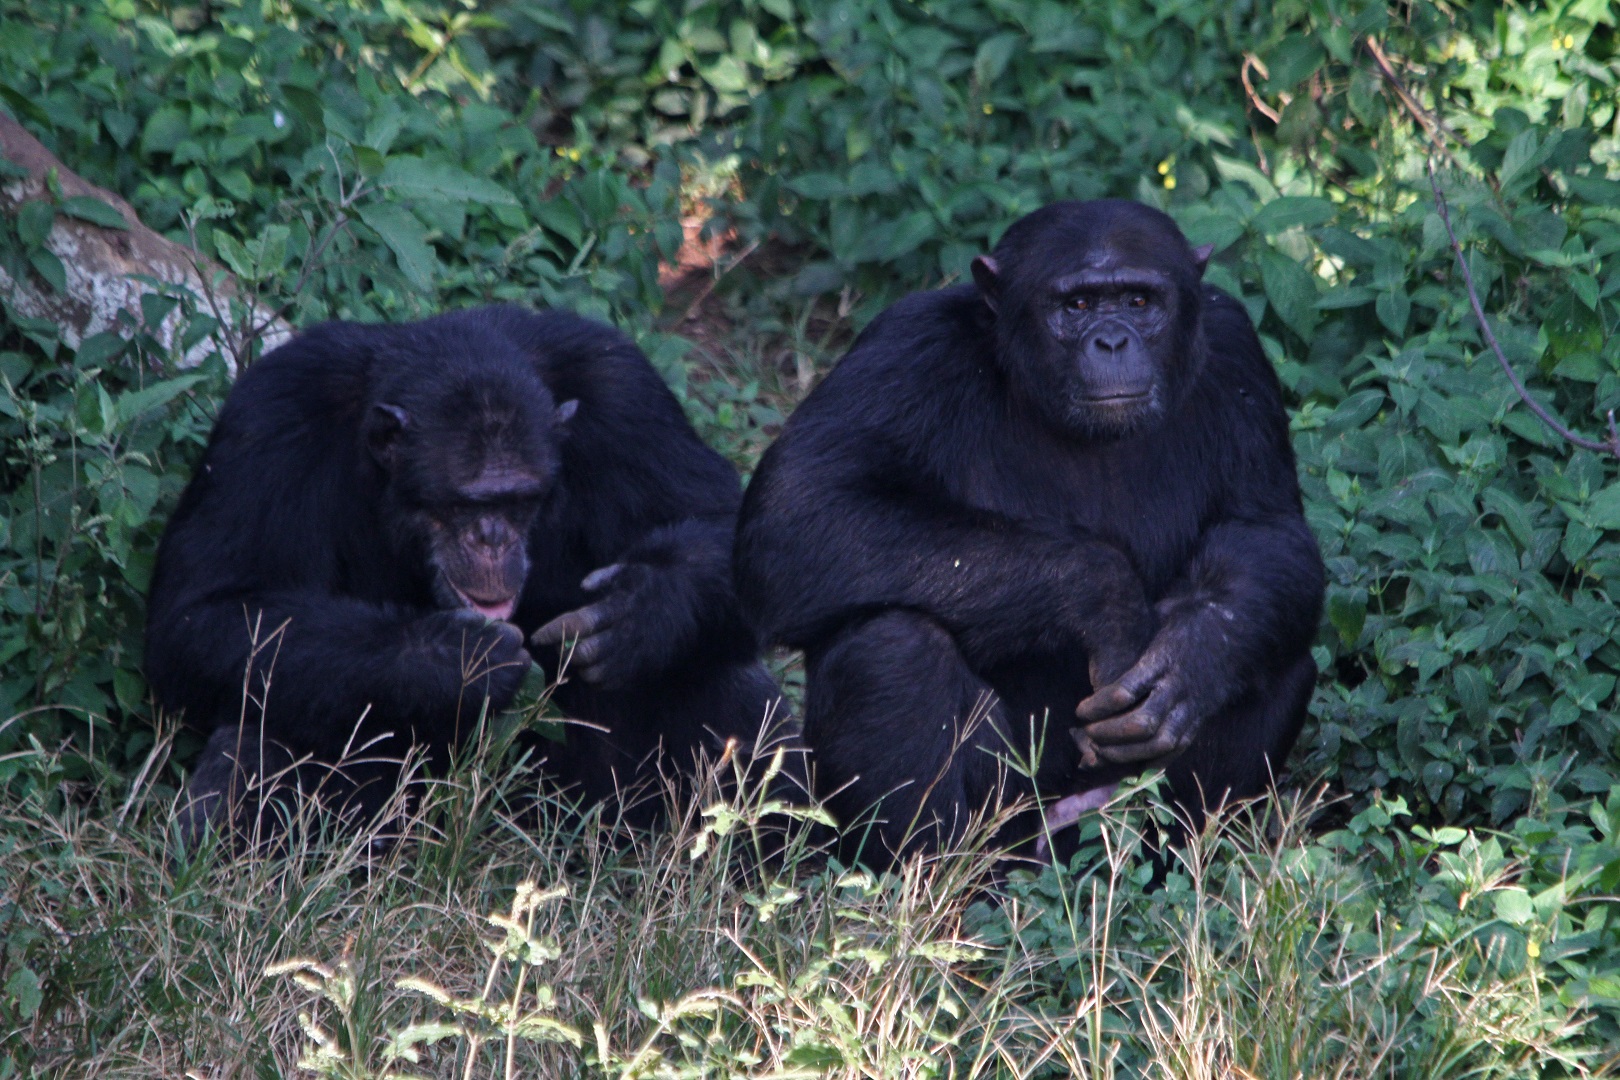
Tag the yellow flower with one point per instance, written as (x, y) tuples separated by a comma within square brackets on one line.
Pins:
[(1169, 183), (988, 108)]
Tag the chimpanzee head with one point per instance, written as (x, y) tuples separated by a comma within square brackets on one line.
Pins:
[(467, 438), (1097, 314)]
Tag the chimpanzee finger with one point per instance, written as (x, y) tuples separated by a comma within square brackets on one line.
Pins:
[(595, 674), (1138, 725), (1083, 743), (601, 578), (581, 622), (589, 651), (1174, 735), (1121, 695)]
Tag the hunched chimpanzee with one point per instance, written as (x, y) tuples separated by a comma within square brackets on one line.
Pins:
[(1063, 492), (381, 508)]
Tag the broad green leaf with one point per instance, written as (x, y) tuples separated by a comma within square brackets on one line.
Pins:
[(34, 220), (993, 56), (25, 990), (94, 211), (50, 268), (235, 256), (407, 239), (418, 176), (1290, 210), (1603, 509), (135, 403), (1512, 905), (819, 186), (1394, 308), (1520, 157), (164, 130), (1291, 291)]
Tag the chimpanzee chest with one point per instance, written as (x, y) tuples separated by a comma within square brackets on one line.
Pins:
[(1150, 504)]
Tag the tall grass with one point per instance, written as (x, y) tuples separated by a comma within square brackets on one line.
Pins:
[(471, 936)]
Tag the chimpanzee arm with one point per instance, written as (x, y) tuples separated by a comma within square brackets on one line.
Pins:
[(284, 659), (1247, 604), (824, 541), (654, 510)]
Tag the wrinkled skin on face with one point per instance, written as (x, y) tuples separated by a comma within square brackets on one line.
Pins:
[(1102, 312), (466, 480)]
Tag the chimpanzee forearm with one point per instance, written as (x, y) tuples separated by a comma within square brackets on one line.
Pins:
[(372, 668), (690, 607), (1001, 587), (1250, 597)]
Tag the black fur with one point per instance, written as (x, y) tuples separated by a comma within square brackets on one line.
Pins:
[(1008, 497), (316, 525)]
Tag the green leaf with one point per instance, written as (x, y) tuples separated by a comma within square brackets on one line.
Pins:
[(135, 403), (1595, 189), (23, 987), (120, 125), (1290, 210), (1394, 308), (50, 268), (1291, 291), (1294, 60), (235, 255), (1603, 509), (1520, 158), (94, 211), (164, 130), (818, 185), (34, 220), (407, 239), (1513, 905), (993, 56), (437, 179), (562, 218), (1348, 615)]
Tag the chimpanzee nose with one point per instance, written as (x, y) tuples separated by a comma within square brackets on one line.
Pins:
[(491, 532), (1111, 340)]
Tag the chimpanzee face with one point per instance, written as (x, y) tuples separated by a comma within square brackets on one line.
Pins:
[(1096, 308), (468, 473)]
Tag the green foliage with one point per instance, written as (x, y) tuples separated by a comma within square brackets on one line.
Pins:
[(96, 450), (359, 146), (925, 130)]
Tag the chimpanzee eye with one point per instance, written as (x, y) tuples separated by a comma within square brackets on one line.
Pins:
[(1137, 300), (1078, 303)]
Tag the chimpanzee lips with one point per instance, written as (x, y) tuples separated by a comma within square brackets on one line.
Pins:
[(500, 610), (1119, 398)]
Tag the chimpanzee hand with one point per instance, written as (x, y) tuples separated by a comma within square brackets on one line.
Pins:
[(609, 634), (488, 655), (1154, 710)]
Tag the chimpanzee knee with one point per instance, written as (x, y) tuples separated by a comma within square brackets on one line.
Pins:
[(908, 743)]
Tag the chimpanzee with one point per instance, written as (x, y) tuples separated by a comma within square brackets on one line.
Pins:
[(1064, 490), (381, 508)]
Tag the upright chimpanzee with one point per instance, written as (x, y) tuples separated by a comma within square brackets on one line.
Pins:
[(1064, 489), (380, 508)]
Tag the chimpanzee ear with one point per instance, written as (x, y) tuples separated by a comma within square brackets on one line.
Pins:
[(383, 426), (986, 275), (1201, 255), (566, 411)]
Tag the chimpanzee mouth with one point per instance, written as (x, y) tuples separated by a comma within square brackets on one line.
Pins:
[(500, 610), (1117, 399)]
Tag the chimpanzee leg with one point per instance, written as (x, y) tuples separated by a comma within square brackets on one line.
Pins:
[(896, 719), (632, 737), (245, 780), (1238, 752)]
